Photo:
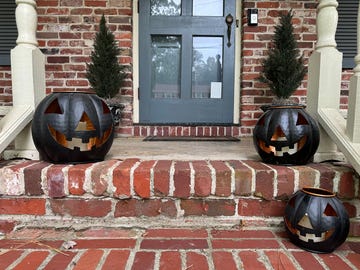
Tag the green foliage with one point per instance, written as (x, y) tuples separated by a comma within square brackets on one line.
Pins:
[(283, 69), (104, 73)]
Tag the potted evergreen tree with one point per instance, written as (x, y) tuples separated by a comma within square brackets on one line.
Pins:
[(105, 73), (285, 133)]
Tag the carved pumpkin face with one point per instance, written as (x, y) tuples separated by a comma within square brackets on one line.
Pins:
[(316, 220), (286, 135), (72, 127)]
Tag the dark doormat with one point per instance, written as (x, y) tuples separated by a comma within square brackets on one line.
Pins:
[(192, 139)]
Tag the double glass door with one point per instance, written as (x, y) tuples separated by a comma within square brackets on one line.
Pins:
[(186, 61)]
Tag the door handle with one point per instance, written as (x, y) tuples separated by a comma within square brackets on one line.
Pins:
[(229, 19)]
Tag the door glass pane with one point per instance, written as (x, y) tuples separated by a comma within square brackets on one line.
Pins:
[(165, 66), (165, 7), (207, 67), (208, 8)]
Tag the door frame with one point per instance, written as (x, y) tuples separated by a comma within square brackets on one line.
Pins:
[(136, 63)]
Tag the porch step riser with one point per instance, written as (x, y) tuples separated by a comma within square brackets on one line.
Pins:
[(247, 193)]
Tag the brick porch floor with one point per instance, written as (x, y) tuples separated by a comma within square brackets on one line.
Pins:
[(164, 248)]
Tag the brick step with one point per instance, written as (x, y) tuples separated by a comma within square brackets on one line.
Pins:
[(147, 193)]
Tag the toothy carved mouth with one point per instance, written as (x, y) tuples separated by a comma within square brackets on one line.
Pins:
[(281, 151), (82, 144), (313, 237)]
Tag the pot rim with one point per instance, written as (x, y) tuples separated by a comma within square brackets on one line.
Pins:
[(319, 192), (73, 92)]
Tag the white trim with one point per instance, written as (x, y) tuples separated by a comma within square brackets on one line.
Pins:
[(135, 64)]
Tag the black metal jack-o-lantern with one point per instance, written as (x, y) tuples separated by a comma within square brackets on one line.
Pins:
[(316, 220), (286, 135), (72, 127)]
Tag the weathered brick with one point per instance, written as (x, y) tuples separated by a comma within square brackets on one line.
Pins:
[(182, 179), (285, 181), (307, 260), (170, 260), (208, 207), (253, 207), (202, 179), (162, 177), (89, 259), (197, 261), (326, 175), (32, 178), (100, 177), (346, 188), (121, 178), (307, 176), (149, 208), (22, 206), (116, 259), (143, 260), (33, 260), (174, 243), (280, 260), (55, 181), (142, 178), (223, 178), (81, 208), (224, 260), (243, 178), (7, 226), (76, 178)]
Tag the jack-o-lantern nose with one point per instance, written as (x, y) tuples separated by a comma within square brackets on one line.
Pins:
[(278, 135), (305, 222), (85, 123)]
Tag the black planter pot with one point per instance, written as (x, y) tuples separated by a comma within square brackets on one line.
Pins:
[(316, 220), (72, 127), (286, 134)]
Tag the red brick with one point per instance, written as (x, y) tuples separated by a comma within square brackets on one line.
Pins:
[(149, 208), (89, 260), (162, 177), (7, 258), (334, 262), (245, 243), (243, 178), (285, 181), (223, 178), (251, 260), (202, 178), (32, 178), (142, 178), (60, 260), (116, 259), (121, 178), (346, 185), (100, 177), (176, 233), (196, 261), (81, 208), (55, 181), (354, 258), (174, 243), (242, 234), (307, 176), (144, 261), (7, 226), (105, 243), (307, 260), (32, 261), (326, 175), (279, 260), (76, 178), (182, 179), (197, 207), (253, 207), (22, 206), (170, 260), (224, 260)]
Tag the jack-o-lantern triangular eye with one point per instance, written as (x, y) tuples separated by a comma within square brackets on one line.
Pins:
[(330, 211), (301, 120), (54, 107)]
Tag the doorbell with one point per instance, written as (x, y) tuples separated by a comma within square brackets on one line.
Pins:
[(252, 16)]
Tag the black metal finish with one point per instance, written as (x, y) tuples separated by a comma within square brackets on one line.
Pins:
[(286, 135), (72, 128), (229, 19), (316, 220)]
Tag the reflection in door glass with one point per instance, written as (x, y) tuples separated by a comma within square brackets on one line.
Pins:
[(208, 8), (165, 7), (165, 66), (207, 67)]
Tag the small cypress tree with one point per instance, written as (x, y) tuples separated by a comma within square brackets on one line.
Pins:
[(104, 73), (283, 69)]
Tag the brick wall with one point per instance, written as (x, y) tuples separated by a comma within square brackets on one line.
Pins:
[(66, 30)]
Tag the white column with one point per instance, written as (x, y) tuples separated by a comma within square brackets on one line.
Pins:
[(28, 77), (353, 120), (325, 67)]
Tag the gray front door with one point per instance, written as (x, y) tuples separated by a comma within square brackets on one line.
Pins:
[(186, 61)]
